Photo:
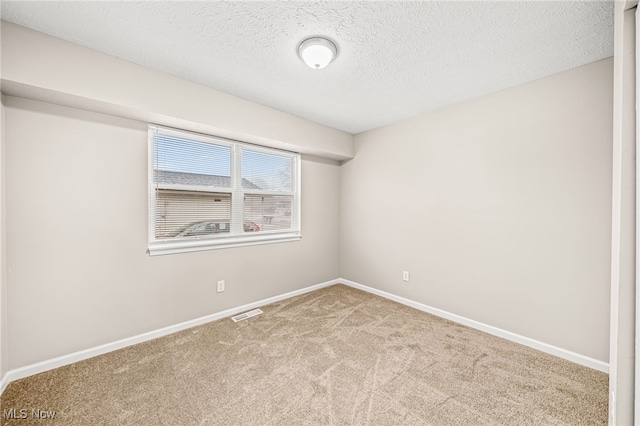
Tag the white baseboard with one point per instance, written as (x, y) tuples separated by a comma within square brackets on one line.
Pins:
[(535, 344), (60, 361), (4, 382), (50, 364)]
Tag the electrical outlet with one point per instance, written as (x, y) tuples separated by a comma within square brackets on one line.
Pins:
[(405, 276), (220, 286)]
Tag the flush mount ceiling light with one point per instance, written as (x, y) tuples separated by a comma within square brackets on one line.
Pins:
[(317, 52)]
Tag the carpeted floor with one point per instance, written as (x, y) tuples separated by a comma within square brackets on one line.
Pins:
[(336, 356)]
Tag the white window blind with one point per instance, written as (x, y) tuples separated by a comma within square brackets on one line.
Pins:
[(207, 192)]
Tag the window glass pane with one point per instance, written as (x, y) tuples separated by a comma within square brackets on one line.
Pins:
[(267, 212), (266, 171), (179, 161), (182, 214)]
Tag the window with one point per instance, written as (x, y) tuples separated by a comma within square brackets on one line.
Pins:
[(207, 192)]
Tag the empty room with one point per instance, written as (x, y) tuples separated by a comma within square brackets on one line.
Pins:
[(318, 212)]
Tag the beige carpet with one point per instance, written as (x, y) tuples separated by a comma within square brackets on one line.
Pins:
[(335, 356)]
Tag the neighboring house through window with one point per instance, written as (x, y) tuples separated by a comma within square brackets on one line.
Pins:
[(207, 192)]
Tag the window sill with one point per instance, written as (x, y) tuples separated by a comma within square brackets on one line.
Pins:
[(158, 248)]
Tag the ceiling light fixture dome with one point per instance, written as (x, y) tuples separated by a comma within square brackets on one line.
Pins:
[(317, 52)]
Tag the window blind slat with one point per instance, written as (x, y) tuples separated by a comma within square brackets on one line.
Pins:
[(176, 211)]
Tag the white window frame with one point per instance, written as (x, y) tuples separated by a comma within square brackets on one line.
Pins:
[(237, 237)]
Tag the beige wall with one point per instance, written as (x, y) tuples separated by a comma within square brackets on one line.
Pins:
[(621, 378), (78, 274), (500, 208)]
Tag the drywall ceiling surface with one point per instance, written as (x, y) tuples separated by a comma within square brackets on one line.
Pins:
[(397, 59)]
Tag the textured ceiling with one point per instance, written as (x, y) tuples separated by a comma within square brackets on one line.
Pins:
[(396, 59)]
